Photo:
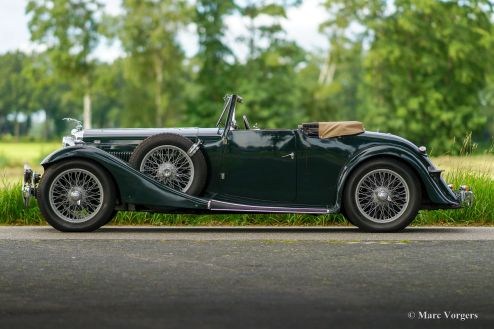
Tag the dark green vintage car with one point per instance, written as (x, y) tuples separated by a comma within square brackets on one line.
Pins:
[(378, 181)]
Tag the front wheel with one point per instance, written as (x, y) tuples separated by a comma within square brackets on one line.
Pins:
[(382, 195), (76, 196)]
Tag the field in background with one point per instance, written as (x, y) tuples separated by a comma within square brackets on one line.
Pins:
[(13, 156), (472, 163), (476, 171)]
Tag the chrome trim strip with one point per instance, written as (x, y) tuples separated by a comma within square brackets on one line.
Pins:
[(216, 205)]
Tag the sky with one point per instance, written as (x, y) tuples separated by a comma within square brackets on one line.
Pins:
[(301, 25)]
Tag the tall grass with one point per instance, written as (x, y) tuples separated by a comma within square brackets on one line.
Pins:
[(13, 212), (482, 211)]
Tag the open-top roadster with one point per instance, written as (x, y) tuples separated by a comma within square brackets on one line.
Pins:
[(378, 181)]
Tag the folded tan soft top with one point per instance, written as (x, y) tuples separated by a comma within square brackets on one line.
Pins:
[(335, 129)]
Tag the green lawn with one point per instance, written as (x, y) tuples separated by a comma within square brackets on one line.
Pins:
[(477, 171)]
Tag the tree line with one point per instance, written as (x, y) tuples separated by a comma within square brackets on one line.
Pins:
[(420, 69)]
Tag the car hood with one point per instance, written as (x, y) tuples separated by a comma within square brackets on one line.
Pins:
[(142, 133)]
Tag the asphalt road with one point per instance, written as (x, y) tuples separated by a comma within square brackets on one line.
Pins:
[(142, 277)]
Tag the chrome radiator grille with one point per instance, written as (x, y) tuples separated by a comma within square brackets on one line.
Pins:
[(124, 156)]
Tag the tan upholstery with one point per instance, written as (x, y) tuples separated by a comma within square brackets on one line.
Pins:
[(340, 128)]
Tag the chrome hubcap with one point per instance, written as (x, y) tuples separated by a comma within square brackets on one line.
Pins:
[(382, 196), (169, 165), (166, 170), (76, 195)]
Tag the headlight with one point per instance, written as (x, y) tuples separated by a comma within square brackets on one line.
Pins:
[(75, 139), (68, 141)]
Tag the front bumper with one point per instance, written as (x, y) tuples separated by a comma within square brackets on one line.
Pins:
[(30, 180)]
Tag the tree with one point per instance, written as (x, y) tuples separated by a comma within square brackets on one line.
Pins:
[(269, 79), (334, 80), (215, 72), (15, 90), (425, 65), (254, 9), (68, 29), (49, 93), (272, 87), (148, 34), (110, 90)]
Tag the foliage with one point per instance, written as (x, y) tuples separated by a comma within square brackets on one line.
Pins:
[(15, 90), (270, 73), (425, 66), (215, 71), (271, 78), (69, 31), (149, 36), (110, 95), (419, 69)]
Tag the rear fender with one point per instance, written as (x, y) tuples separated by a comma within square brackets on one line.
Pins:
[(135, 187), (437, 190)]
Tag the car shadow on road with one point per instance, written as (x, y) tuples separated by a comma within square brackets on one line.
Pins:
[(288, 229)]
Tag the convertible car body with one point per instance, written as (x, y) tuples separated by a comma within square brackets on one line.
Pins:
[(378, 181)]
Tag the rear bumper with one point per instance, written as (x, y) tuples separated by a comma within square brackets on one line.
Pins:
[(464, 195)]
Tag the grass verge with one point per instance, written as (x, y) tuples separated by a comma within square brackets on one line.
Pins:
[(12, 211)]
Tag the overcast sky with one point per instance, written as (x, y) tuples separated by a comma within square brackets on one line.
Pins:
[(301, 26)]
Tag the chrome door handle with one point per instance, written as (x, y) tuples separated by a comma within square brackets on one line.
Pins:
[(291, 155)]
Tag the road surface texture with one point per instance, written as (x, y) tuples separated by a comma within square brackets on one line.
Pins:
[(153, 277)]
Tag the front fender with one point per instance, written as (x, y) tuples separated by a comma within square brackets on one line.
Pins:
[(440, 195), (134, 187)]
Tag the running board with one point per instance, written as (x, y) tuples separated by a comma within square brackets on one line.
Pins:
[(216, 205)]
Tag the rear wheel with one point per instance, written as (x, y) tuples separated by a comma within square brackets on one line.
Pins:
[(382, 195), (76, 196)]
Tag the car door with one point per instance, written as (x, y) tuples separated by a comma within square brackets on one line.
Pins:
[(259, 165)]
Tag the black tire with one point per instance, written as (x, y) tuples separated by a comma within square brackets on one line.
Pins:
[(113, 214), (344, 213), (199, 165), (401, 213), (103, 194)]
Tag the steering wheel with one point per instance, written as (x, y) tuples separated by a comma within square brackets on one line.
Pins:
[(246, 122)]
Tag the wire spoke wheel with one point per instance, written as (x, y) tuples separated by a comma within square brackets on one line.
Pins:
[(76, 195), (382, 195), (169, 165)]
